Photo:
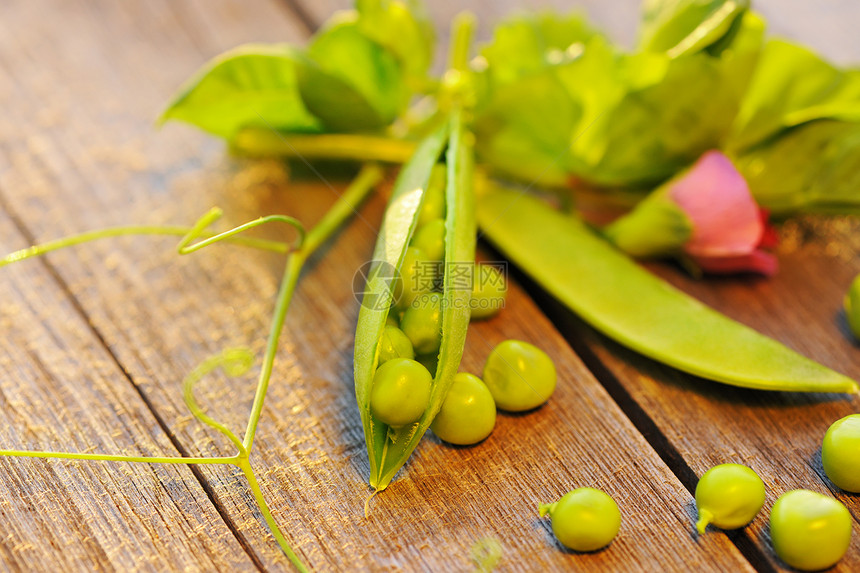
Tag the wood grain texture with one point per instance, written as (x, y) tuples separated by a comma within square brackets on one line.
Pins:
[(93, 165), (61, 390), (78, 151), (696, 424)]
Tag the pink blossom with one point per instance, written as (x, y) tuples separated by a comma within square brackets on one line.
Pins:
[(728, 228)]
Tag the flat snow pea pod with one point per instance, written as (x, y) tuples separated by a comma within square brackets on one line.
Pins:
[(389, 448), (637, 309)]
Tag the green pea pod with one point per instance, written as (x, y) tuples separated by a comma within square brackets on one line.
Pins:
[(636, 308), (389, 448)]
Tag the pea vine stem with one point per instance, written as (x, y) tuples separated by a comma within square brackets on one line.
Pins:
[(233, 361), (258, 142), (343, 208)]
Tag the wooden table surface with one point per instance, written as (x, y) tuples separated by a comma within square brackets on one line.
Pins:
[(97, 339)]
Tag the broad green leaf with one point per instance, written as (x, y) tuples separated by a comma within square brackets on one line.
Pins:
[(334, 102), (403, 29), (343, 52), (674, 109), (252, 85), (637, 309), (525, 129), (528, 44), (632, 120), (679, 27), (792, 85), (812, 167)]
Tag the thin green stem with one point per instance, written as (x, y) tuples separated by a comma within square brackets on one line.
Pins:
[(257, 142), (344, 208), (463, 29), (245, 466), (34, 251), (186, 247), (234, 362)]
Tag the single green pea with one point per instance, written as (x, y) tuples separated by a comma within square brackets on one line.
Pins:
[(415, 278), (468, 413), (852, 307), (430, 238), (394, 344), (400, 392), (488, 292), (433, 206), (422, 323), (809, 531), (728, 496), (585, 519), (520, 376), (840, 453)]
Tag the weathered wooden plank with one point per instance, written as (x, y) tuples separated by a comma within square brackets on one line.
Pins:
[(159, 316), (60, 390), (696, 424), (701, 424)]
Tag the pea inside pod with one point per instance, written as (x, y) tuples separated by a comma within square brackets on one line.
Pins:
[(389, 446)]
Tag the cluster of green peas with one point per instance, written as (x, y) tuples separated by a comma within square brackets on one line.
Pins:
[(518, 376), (809, 531)]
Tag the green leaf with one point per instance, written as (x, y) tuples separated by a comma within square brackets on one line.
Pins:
[(672, 111), (342, 52), (252, 85), (637, 309), (632, 120), (525, 129), (679, 27), (792, 85), (528, 44), (402, 29), (812, 167), (335, 102)]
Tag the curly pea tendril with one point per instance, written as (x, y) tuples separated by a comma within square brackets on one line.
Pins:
[(233, 361)]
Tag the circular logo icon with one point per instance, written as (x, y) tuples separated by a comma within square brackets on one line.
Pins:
[(373, 285)]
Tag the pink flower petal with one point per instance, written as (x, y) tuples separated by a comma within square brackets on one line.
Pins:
[(759, 262), (716, 198)]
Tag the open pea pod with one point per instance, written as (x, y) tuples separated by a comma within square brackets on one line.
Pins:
[(389, 448), (637, 309)]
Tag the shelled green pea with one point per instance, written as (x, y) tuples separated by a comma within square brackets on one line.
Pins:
[(520, 376), (489, 289), (468, 414), (809, 531), (433, 206), (401, 392), (394, 344), (585, 519), (410, 283), (728, 496), (422, 323), (840, 453)]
